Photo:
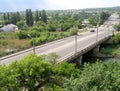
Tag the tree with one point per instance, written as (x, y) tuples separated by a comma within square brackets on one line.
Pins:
[(94, 20), (29, 17), (15, 17), (103, 17), (33, 72), (21, 25), (5, 20), (96, 77), (8, 79), (73, 30), (37, 17), (117, 27), (8, 17), (44, 16)]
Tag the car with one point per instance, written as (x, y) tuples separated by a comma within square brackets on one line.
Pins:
[(92, 30)]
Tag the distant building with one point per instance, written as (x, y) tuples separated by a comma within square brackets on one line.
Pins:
[(85, 22), (9, 28)]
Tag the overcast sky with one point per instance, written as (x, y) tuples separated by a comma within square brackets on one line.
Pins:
[(21, 5)]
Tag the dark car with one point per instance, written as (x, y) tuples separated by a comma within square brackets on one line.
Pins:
[(92, 30)]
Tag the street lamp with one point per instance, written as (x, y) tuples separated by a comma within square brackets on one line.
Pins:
[(33, 43), (75, 43), (97, 34)]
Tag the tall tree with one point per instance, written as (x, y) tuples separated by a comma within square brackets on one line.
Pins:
[(44, 16), (29, 17), (5, 19), (37, 16), (8, 17), (4, 16), (15, 17), (18, 16)]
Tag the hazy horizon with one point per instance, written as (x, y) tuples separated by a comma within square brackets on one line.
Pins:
[(22, 5)]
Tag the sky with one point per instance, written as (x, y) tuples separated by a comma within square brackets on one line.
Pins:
[(21, 5)]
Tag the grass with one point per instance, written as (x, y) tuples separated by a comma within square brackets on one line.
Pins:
[(112, 50), (9, 40)]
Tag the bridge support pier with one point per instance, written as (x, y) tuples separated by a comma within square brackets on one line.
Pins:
[(78, 61), (96, 53)]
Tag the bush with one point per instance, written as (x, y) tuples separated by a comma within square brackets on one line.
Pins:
[(34, 33), (73, 30), (51, 37), (117, 38), (3, 42), (22, 34)]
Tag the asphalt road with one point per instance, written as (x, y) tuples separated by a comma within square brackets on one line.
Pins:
[(66, 46)]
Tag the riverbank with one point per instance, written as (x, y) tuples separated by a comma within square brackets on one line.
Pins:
[(113, 50)]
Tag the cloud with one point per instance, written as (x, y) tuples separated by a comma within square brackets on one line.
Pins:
[(19, 5), (78, 4)]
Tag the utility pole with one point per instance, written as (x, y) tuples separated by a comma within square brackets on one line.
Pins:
[(33, 43), (97, 34), (75, 43)]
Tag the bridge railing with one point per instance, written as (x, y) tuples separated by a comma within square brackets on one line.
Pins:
[(80, 52)]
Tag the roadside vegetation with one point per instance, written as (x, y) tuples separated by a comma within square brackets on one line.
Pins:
[(35, 73), (114, 49), (43, 27)]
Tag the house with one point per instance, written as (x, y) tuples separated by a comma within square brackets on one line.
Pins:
[(85, 22), (9, 28)]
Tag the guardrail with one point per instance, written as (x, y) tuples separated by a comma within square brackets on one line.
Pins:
[(80, 52), (30, 49)]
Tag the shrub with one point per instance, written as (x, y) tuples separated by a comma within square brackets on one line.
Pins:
[(3, 42), (73, 30), (22, 34), (117, 38)]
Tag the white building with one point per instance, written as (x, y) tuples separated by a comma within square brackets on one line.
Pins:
[(9, 28)]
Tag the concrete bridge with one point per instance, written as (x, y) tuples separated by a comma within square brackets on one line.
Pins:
[(94, 47), (71, 47)]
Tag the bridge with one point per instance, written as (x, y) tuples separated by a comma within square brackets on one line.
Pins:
[(71, 47)]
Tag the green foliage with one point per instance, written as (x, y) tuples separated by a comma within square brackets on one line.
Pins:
[(117, 38), (44, 16), (117, 27), (34, 33), (54, 88), (8, 79), (21, 25), (32, 72), (29, 17), (111, 50), (74, 31), (22, 34), (37, 17), (94, 20), (60, 70), (103, 17), (44, 37), (11, 18), (52, 57), (3, 42), (96, 77), (15, 17)]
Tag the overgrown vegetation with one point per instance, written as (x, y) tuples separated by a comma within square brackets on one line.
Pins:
[(113, 49), (34, 72), (42, 26)]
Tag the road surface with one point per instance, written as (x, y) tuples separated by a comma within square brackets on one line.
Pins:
[(66, 46)]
